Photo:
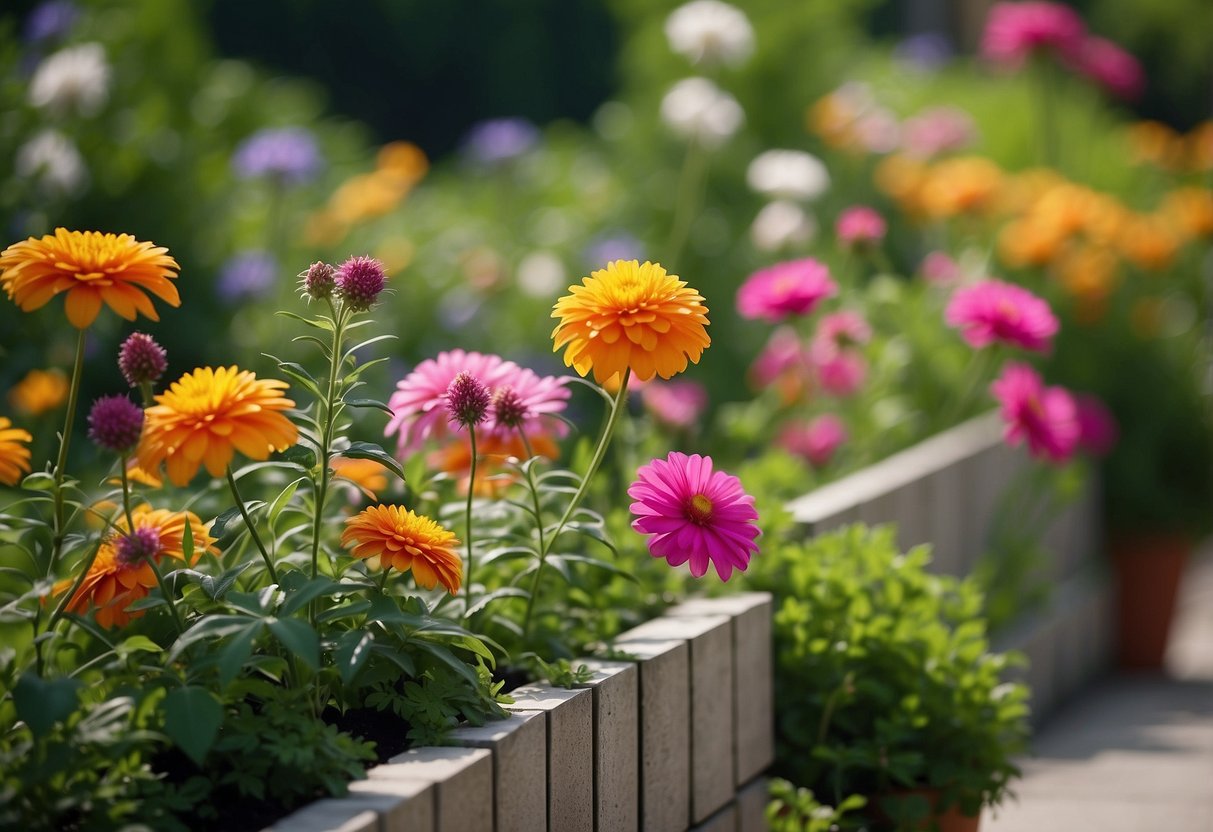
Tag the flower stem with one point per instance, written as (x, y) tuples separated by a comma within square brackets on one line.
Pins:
[(252, 528), (340, 319), (617, 407), (530, 479), (467, 578), (164, 590), (61, 462), (126, 494)]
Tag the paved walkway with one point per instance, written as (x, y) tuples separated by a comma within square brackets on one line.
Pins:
[(1135, 752)]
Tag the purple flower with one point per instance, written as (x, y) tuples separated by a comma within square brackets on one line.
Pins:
[(248, 274), (616, 246), (115, 424), (289, 154), (499, 140), (467, 400), (359, 282), (694, 513), (928, 51), (141, 359), (52, 19), (141, 544), (319, 280)]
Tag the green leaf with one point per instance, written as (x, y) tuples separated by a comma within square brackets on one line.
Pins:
[(138, 644), (318, 323), (375, 403), (211, 626), (284, 496), (299, 638), (236, 652), (40, 703), (299, 455), (369, 450), (192, 717), (353, 649), (38, 481), (364, 344), (504, 592), (299, 596), (187, 542), (220, 527), (301, 375)]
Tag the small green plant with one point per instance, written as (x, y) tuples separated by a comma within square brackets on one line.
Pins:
[(884, 679), (794, 809)]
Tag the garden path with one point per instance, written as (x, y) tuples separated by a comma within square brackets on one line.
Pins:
[(1136, 751)]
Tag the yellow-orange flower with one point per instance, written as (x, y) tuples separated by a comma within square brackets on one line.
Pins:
[(91, 268), (1148, 242), (492, 451), (1154, 143), (1190, 210), (366, 475), (966, 185), (208, 415), (1029, 243), (629, 315), (903, 179), (116, 580), (14, 456), (404, 540), (39, 391)]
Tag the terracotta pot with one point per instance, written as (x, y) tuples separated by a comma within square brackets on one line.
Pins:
[(1148, 569), (952, 820)]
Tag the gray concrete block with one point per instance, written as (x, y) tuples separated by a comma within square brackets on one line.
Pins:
[(570, 750), (910, 503), (945, 512), (330, 815), (752, 800), (665, 729), (723, 821), (616, 697), (878, 511), (753, 679), (710, 640), (520, 771), (406, 805), (462, 780)]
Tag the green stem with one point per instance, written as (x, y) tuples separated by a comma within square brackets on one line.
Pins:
[(530, 479), (617, 407), (168, 596), (61, 462), (126, 495), (1046, 112), (971, 380), (252, 528), (340, 319), (467, 578), (690, 184)]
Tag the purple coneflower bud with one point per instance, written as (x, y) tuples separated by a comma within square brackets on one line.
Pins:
[(319, 279), (359, 282), (141, 359), (115, 424), (467, 400), (141, 544), (508, 408)]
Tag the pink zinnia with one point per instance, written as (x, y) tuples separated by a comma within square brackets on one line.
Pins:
[(860, 225), (1097, 428), (841, 369), (1047, 417), (938, 267), (816, 441), (419, 405), (1015, 30), (678, 403), (937, 130), (785, 289), (1111, 67), (694, 513), (785, 357), (993, 311)]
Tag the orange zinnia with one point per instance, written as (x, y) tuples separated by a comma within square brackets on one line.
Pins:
[(39, 391), (404, 540), (208, 415), (90, 267), (633, 316), (121, 574), (14, 457)]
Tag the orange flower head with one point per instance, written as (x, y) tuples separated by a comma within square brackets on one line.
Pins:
[(1190, 210), (902, 178), (631, 316), (1029, 242), (39, 391), (493, 450), (91, 268), (1154, 143), (1149, 243), (365, 475), (966, 185), (1088, 273), (404, 540), (208, 415), (121, 574), (14, 456), (1200, 147)]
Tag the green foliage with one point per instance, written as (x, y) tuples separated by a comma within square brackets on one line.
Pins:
[(794, 809), (884, 677)]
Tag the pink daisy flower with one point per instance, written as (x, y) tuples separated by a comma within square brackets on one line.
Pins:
[(860, 225), (1111, 67), (1046, 417), (694, 514), (785, 360), (939, 268), (419, 405), (1097, 428), (937, 130), (1015, 30), (993, 311), (678, 404), (785, 289), (816, 441), (840, 368)]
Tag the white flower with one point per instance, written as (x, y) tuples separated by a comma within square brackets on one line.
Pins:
[(53, 162), (541, 274), (710, 32), (788, 174), (75, 79), (695, 108), (782, 224)]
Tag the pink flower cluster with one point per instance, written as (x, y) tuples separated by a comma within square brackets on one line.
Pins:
[(992, 311), (838, 363), (420, 404), (778, 292), (859, 226), (816, 440), (1045, 417)]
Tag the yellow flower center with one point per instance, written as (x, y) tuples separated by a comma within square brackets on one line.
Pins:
[(699, 509)]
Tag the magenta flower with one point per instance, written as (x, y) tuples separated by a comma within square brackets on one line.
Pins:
[(1097, 428), (1111, 67), (1015, 30), (1046, 417), (141, 359), (816, 441), (785, 289), (467, 400), (115, 424), (359, 280), (419, 405), (694, 513), (939, 268), (859, 226), (678, 403), (993, 311), (785, 359), (839, 366)]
